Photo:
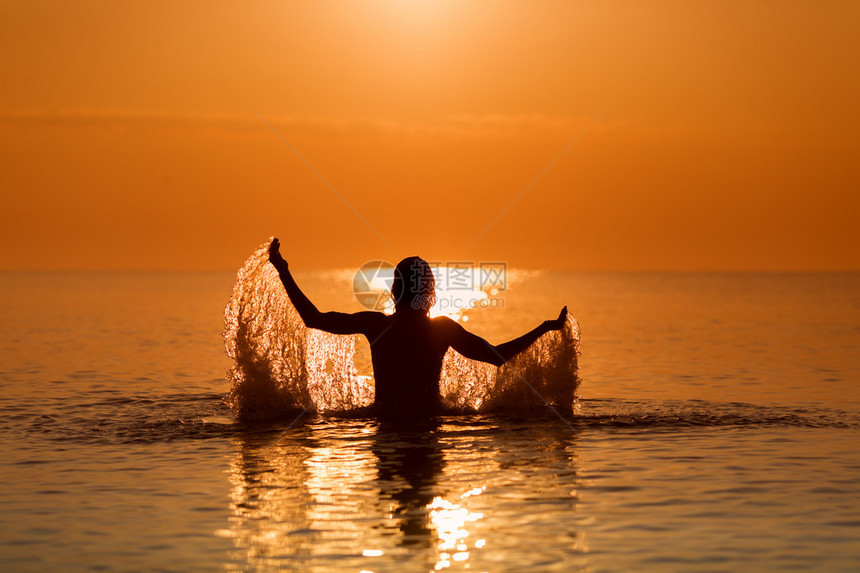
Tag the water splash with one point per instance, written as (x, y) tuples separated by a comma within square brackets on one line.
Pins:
[(545, 374), (280, 367)]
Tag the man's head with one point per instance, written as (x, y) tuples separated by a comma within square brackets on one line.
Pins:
[(414, 287)]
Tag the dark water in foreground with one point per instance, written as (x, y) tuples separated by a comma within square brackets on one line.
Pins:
[(717, 430)]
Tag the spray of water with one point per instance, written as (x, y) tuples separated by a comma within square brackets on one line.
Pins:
[(280, 367)]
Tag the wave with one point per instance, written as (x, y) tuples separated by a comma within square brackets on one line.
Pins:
[(280, 366), (103, 418), (608, 413)]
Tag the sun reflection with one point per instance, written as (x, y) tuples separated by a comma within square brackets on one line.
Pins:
[(375, 495), (449, 521)]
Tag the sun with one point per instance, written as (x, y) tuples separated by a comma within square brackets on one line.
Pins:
[(460, 288)]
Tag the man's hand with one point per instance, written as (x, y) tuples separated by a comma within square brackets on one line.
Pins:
[(559, 322), (275, 255)]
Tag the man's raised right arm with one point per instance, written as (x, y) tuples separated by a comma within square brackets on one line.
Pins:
[(335, 322)]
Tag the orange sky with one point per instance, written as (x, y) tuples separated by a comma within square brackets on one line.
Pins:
[(727, 135)]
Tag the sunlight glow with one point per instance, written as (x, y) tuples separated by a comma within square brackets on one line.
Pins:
[(449, 521), (458, 290)]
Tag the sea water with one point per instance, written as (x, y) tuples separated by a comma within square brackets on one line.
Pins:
[(716, 428)]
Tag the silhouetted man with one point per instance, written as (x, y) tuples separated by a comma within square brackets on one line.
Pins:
[(407, 348)]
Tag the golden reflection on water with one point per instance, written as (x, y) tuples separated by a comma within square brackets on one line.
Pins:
[(449, 521), (362, 494)]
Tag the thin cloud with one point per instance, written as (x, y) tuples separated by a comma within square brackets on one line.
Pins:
[(454, 127), (457, 125)]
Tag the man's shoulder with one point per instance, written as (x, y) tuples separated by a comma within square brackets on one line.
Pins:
[(445, 323), (372, 317)]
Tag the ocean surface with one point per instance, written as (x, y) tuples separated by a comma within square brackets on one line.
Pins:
[(716, 428)]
